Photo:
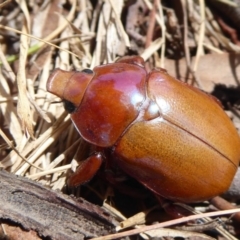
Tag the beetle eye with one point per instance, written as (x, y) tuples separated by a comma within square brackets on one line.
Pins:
[(87, 70), (69, 106)]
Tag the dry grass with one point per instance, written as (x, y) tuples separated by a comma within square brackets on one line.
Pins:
[(37, 139)]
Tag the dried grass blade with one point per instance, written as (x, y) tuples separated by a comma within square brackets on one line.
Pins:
[(23, 106)]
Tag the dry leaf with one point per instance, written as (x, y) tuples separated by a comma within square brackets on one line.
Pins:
[(212, 69)]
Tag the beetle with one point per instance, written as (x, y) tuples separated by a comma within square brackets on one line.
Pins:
[(173, 138)]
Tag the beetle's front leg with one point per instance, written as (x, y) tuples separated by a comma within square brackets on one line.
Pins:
[(86, 170)]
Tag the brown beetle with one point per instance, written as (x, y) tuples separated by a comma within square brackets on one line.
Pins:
[(173, 138)]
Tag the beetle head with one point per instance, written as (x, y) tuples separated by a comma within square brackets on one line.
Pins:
[(70, 86)]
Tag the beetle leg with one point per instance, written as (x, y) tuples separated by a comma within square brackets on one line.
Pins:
[(175, 211), (86, 170)]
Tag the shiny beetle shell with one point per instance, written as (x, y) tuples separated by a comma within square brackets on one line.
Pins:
[(173, 138)]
